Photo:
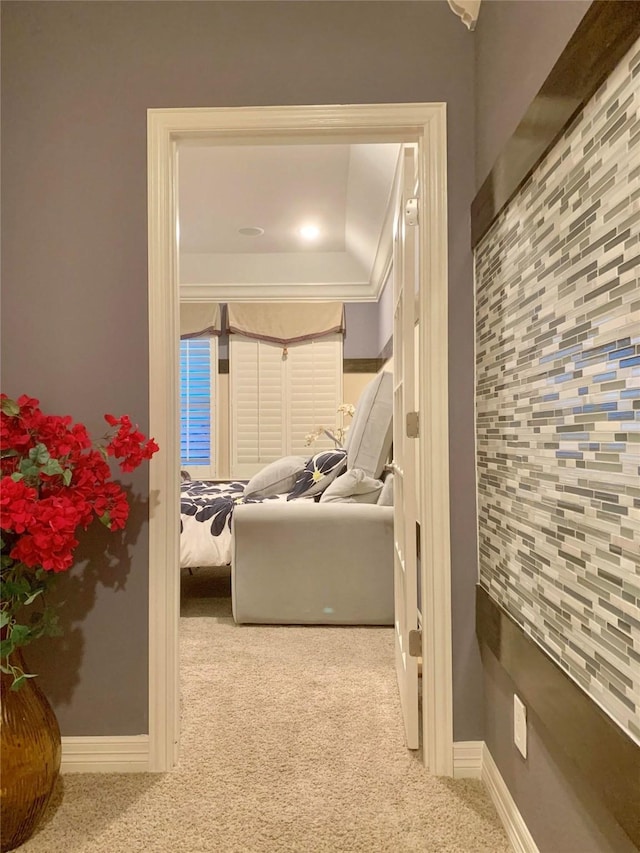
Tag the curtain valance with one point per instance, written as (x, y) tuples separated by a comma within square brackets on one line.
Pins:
[(199, 318), (468, 10), (285, 322)]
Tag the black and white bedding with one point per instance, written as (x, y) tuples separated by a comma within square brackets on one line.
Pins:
[(206, 510)]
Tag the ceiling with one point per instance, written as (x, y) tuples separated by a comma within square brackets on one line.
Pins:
[(343, 190)]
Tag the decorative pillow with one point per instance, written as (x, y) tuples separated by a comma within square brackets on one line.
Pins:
[(385, 498), (371, 433), (276, 478), (354, 486), (318, 472)]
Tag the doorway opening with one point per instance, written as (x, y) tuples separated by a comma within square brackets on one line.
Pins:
[(422, 126)]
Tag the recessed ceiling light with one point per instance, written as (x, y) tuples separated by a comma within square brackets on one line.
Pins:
[(252, 231), (309, 232)]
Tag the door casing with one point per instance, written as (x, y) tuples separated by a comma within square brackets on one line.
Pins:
[(420, 123)]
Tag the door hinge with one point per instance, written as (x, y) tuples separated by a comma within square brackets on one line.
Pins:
[(415, 644), (411, 211), (413, 424)]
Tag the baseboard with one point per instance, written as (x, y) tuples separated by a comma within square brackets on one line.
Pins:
[(467, 759), (105, 754), (471, 759), (513, 822)]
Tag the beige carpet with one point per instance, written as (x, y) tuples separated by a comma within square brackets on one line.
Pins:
[(291, 741)]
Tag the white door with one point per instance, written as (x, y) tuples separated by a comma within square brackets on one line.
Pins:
[(405, 278)]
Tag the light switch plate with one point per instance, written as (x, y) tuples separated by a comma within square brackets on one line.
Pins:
[(520, 725)]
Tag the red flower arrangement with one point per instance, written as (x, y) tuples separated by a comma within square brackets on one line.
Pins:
[(54, 481)]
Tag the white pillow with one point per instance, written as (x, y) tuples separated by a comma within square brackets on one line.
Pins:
[(276, 478), (354, 486)]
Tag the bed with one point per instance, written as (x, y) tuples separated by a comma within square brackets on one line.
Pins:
[(207, 507), (206, 510), (320, 550)]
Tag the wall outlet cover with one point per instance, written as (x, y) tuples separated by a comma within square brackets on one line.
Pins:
[(520, 725)]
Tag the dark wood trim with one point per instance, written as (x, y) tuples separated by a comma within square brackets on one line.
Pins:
[(607, 31), (349, 365), (362, 365), (601, 750)]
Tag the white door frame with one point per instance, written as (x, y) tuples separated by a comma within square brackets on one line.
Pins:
[(424, 124)]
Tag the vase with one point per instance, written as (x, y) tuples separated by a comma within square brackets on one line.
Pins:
[(29, 758)]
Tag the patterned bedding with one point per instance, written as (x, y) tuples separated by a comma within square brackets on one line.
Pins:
[(206, 507), (206, 510)]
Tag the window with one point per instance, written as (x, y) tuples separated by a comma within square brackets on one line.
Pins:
[(279, 395), (198, 433)]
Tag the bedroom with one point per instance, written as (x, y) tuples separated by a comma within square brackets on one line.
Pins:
[(419, 251), (381, 186), (247, 402), (249, 399)]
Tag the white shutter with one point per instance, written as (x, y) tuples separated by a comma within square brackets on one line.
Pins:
[(278, 396), (314, 391), (198, 433), (257, 396)]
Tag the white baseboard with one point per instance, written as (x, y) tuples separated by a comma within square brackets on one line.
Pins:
[(471, 759), (467, 759), (513, 822), (105, 754)]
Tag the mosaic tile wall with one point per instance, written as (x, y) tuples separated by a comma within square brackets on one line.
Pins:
[(558, 401)]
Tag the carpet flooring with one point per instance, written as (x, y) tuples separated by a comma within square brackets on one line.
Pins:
[(291, 743)]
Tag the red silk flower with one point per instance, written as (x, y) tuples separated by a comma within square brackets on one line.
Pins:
[(54, 480)]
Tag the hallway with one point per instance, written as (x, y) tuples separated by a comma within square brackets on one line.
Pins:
[(291, 741)]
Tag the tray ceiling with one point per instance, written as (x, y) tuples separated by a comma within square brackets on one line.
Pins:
[(342, 190)]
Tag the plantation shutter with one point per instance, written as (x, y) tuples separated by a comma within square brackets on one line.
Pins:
[(314, 390), (278, 396), (257, 395), (198, 374)]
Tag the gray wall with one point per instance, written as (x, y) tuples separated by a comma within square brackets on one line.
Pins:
[(362, 320), (517, 44), (385, 315), (561, 812), (77, 80)]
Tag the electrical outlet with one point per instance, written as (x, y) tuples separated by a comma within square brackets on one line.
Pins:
[(520, 726)]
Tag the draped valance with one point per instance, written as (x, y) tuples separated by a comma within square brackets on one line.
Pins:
[(285, 322), (199, 318)]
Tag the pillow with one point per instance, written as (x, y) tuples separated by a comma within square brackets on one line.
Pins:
[(276, 478), (318, 472), (385, 498), (371, 433), (354, 486)]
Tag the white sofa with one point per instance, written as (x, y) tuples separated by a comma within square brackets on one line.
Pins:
[(308, 562)]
